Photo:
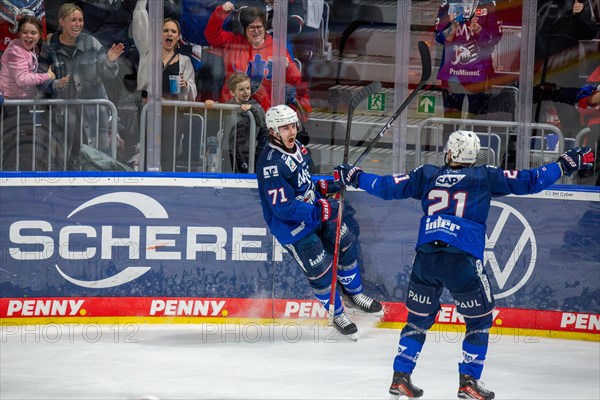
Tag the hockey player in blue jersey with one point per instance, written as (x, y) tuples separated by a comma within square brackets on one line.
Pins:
[(449, 253), (303, 219)]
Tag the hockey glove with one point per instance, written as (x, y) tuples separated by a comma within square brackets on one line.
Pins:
[(347, 175), (328, 209), (575, 159), (328, 187)]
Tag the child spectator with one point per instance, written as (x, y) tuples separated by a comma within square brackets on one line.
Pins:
[(239, 140), (19, 78), (12, 11)]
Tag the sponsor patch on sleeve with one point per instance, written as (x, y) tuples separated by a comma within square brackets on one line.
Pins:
[(270, 171)]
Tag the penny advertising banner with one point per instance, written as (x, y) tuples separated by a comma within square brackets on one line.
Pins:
[(190, 249)]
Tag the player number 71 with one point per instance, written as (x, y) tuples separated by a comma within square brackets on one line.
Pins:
[(273, 193)]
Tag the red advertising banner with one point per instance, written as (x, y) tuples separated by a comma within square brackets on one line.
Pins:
[(199, 310)]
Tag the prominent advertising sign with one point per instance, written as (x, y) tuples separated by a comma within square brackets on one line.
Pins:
[(200, 248)]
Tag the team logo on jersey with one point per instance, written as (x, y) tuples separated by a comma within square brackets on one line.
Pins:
[(270, 171), (290, 163), (258, 69), (304, 177), (510, 249), (481, 12), (448, 180)]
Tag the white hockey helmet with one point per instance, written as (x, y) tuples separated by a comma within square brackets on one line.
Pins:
[(280, 115), (464, 147)]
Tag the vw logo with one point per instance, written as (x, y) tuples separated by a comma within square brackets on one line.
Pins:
[(510, 250)]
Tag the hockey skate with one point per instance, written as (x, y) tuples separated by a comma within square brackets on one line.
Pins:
[(402, 386), (346, 327), (364, 303), (471, 388)]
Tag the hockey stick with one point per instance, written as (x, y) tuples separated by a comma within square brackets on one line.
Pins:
[(354, 102), (425, 75)]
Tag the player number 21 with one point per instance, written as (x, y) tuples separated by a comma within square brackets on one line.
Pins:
[(443, 202), (277, 193)]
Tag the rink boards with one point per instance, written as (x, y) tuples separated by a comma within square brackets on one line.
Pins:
[(191, 249)]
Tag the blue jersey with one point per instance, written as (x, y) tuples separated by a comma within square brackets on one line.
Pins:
[(456, 202), (287, 193)]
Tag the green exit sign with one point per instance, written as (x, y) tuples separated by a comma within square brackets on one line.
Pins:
[(376, 102), (426, 104)]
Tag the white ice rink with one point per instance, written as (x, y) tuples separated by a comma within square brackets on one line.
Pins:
[(277, 362)]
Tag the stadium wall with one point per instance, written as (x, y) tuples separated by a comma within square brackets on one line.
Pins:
[(131, 248)]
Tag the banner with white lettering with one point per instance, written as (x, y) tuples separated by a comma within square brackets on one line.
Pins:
[(210, 241)]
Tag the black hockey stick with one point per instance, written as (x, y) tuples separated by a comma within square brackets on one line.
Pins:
[(354, 102), (425, 75)]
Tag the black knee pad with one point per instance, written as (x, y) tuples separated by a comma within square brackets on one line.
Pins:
[(422, 300)]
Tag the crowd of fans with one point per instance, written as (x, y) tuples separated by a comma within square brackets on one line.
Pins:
[(100, 50)]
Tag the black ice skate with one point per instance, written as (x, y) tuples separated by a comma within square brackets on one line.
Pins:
[(365, 304), (346, 327), (471, 388), (402, 386)]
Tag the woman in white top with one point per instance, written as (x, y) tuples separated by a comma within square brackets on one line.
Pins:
[(173, 63)]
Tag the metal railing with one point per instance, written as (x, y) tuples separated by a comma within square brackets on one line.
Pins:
[(31, 128), (498, 140), (201, 134)]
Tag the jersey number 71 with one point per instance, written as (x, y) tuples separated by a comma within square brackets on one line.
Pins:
[(275, 193)]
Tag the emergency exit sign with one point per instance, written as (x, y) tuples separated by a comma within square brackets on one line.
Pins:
[(376, 102), (426, 104)]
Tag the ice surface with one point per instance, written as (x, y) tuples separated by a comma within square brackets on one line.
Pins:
[(290, 361)]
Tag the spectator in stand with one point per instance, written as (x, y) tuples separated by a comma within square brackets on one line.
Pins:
[(560, 26), (11, 13), (19, 78), (295, 22), (239, 139), (252, 53), (76, 53), (588, 104), (173, 65), (468, 34), (210, 70), (109, 21)]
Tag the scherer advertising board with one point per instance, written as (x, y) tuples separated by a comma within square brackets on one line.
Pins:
[(188, 248)]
